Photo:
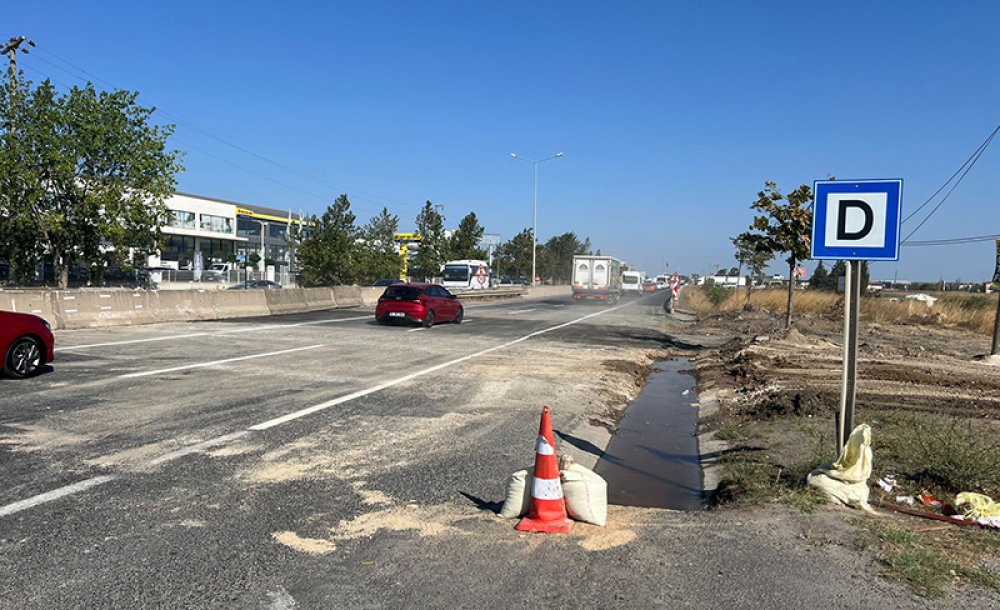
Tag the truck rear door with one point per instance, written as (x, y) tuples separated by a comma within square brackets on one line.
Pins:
[(601, 277), (582, 273)]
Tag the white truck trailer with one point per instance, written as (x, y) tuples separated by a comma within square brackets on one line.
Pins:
[(597, 277)]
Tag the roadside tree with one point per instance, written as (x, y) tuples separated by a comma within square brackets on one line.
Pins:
[(556, 256), (752, 251), (84, 170), (378, 257), (821, 279), (786, 228), (328, 251), (464, 242), (514, 257), (433, 250)]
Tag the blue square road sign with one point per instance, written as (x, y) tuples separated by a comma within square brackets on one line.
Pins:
[(856, 220)]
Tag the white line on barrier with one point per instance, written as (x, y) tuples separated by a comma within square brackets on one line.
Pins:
[(216, 362), (65, 348), (55, 494)]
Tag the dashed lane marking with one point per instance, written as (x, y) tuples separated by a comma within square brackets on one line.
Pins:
[(217, 362)]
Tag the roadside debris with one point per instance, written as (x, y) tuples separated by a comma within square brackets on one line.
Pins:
[(846, 480), (982, 509)]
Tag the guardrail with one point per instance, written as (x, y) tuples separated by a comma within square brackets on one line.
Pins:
[(98, 307)]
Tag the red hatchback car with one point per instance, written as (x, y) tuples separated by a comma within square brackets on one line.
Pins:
[(26, 343), (423, 303)]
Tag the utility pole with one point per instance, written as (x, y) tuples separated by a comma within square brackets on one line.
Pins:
[(10, 50)]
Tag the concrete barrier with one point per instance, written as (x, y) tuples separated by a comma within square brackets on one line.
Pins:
[(318, 299), (37, 302), (286, 300), (348, 296), (239, 303), (370, 295)]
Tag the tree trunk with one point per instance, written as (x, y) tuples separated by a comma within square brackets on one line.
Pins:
[(791, 286), (746, 305)]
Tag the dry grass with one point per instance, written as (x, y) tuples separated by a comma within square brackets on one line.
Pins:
[(975, 312)]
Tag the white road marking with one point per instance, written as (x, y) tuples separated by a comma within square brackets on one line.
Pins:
[(417, 329), (217, 362), (55, 494), (510, 313), (388, 384), (65, 348), (212, 442), (95, 481)]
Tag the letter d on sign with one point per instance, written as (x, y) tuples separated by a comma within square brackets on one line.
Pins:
[(847, 204)]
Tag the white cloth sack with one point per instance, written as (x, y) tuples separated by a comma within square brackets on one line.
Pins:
[(586, 494), (518, 496), (846, 480)]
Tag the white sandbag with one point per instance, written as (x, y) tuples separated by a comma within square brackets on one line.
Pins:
[(846, 480), (518, 496), (586, 494)]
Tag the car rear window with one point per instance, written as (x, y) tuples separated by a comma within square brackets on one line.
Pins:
[(401, 292)]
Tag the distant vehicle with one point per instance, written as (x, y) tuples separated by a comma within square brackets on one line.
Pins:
[(662, 282), (632, 282), (256, 285), (510, 280), (26, 343), (217, 272), (466, 275), (387, 281), (425, 304), (597, 277), (649, 286)]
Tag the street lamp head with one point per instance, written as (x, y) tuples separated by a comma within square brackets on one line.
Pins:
[(513, 155), (559, 154)]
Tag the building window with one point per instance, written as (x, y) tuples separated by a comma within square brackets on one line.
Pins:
[(178, 248), (215, 250), (247, 228), (277, 231), (180, 219), (216, 224)]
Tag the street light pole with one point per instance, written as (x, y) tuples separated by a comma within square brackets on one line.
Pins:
[(534, 225)]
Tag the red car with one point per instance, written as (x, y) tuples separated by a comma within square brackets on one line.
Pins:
[(26, 343), (422, 303), (649, 286)]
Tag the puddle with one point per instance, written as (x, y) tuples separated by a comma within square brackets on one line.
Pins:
[(652, 460)]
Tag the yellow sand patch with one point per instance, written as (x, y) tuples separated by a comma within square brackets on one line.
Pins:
[(312, 546)]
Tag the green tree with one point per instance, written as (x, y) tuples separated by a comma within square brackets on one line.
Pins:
[(555, 258), (328, 250), (821, 279), (514, 257), (839, 270), (433, 250), (786, 227), (87, 168), (379, 258), (752, 251), (464, 242)]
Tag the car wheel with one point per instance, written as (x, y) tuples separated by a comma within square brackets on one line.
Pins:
[(23, 358), (429, 319), (459, 316)]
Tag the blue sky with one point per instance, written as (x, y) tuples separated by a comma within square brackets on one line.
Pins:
[(671, 114)]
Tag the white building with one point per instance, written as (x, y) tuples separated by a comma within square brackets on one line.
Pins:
[(197, 224)]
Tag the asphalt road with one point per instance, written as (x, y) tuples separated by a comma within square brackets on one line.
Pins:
[(322, 460)]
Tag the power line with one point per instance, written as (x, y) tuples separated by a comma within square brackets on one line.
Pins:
[(968, 165), (941, 188), (356, 193), (953, 241)]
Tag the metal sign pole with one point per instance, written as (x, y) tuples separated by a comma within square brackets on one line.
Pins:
[(852, 298), (996, 324)]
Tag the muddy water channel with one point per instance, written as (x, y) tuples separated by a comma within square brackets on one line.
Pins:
[(652, 459)]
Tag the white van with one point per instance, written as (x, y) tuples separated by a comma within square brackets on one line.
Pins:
[(466, 275), (631, 282)]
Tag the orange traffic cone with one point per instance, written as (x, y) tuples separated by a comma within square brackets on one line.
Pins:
[(548, 508)]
